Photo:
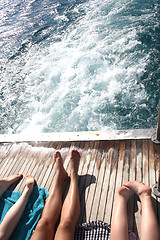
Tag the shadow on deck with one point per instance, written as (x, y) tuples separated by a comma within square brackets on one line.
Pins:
[(104, 166)]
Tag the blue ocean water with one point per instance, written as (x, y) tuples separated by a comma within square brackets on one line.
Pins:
[(79, 65)]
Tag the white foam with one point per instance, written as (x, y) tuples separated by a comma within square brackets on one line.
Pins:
[(68, 83)]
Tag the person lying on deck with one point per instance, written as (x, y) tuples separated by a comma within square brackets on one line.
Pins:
[(14, 214)]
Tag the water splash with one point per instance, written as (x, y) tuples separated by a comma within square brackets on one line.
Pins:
[(89, 69)]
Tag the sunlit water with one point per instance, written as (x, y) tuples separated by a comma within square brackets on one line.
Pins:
[(80, 65)]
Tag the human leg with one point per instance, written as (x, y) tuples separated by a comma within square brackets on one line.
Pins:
[(149, 224), (119, 226), (51, 212), (14, 214), (6, 182), (71, 207)]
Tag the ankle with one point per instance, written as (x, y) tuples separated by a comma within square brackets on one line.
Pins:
[(122, 199), (74, 174), (144, 197), (27, 191)]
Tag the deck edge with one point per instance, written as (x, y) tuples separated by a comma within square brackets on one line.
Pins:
[(81, 136)]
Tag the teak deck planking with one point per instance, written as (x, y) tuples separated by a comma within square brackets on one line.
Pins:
[(104, 166)]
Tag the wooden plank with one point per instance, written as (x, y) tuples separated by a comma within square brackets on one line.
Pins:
[(48, 170), (152, 174), (145, 163), (42, 161), (89, 192), (26, 165), (121, 163), (6, 161), (119, 176), (112, 182), (126, 161), (4, 150), (104, 196), (133, 161), (99, 174), (86, 180), (52, 168), (84, 154), (96, 213), (16, 153), (32, 171), (105, 184), (138, 174), (24, 160), (30, 163), (46, 164), (39, 167), (20, 160)]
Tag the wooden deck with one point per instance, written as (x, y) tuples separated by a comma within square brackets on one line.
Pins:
[(104, 166)]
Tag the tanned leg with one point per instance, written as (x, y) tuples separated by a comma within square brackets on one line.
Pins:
[(149, 224), (46, 226), (5, 183), (14, 214), (71, 207), (119, 226)]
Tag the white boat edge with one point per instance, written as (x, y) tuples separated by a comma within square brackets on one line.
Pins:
[(81, 136)]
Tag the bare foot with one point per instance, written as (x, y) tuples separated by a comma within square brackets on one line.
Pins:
[(124, 192), (139, 188), (74, 162), (11, 179), (6, 182), (59, 166), (29, 181)]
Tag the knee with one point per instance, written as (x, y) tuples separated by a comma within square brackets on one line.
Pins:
[(67, 223), (43, 224)]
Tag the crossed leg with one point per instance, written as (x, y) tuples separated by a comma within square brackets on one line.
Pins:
[(149, 224), (14, 214), (119, 226)]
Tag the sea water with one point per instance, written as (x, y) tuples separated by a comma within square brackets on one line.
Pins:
[(79, 65)]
